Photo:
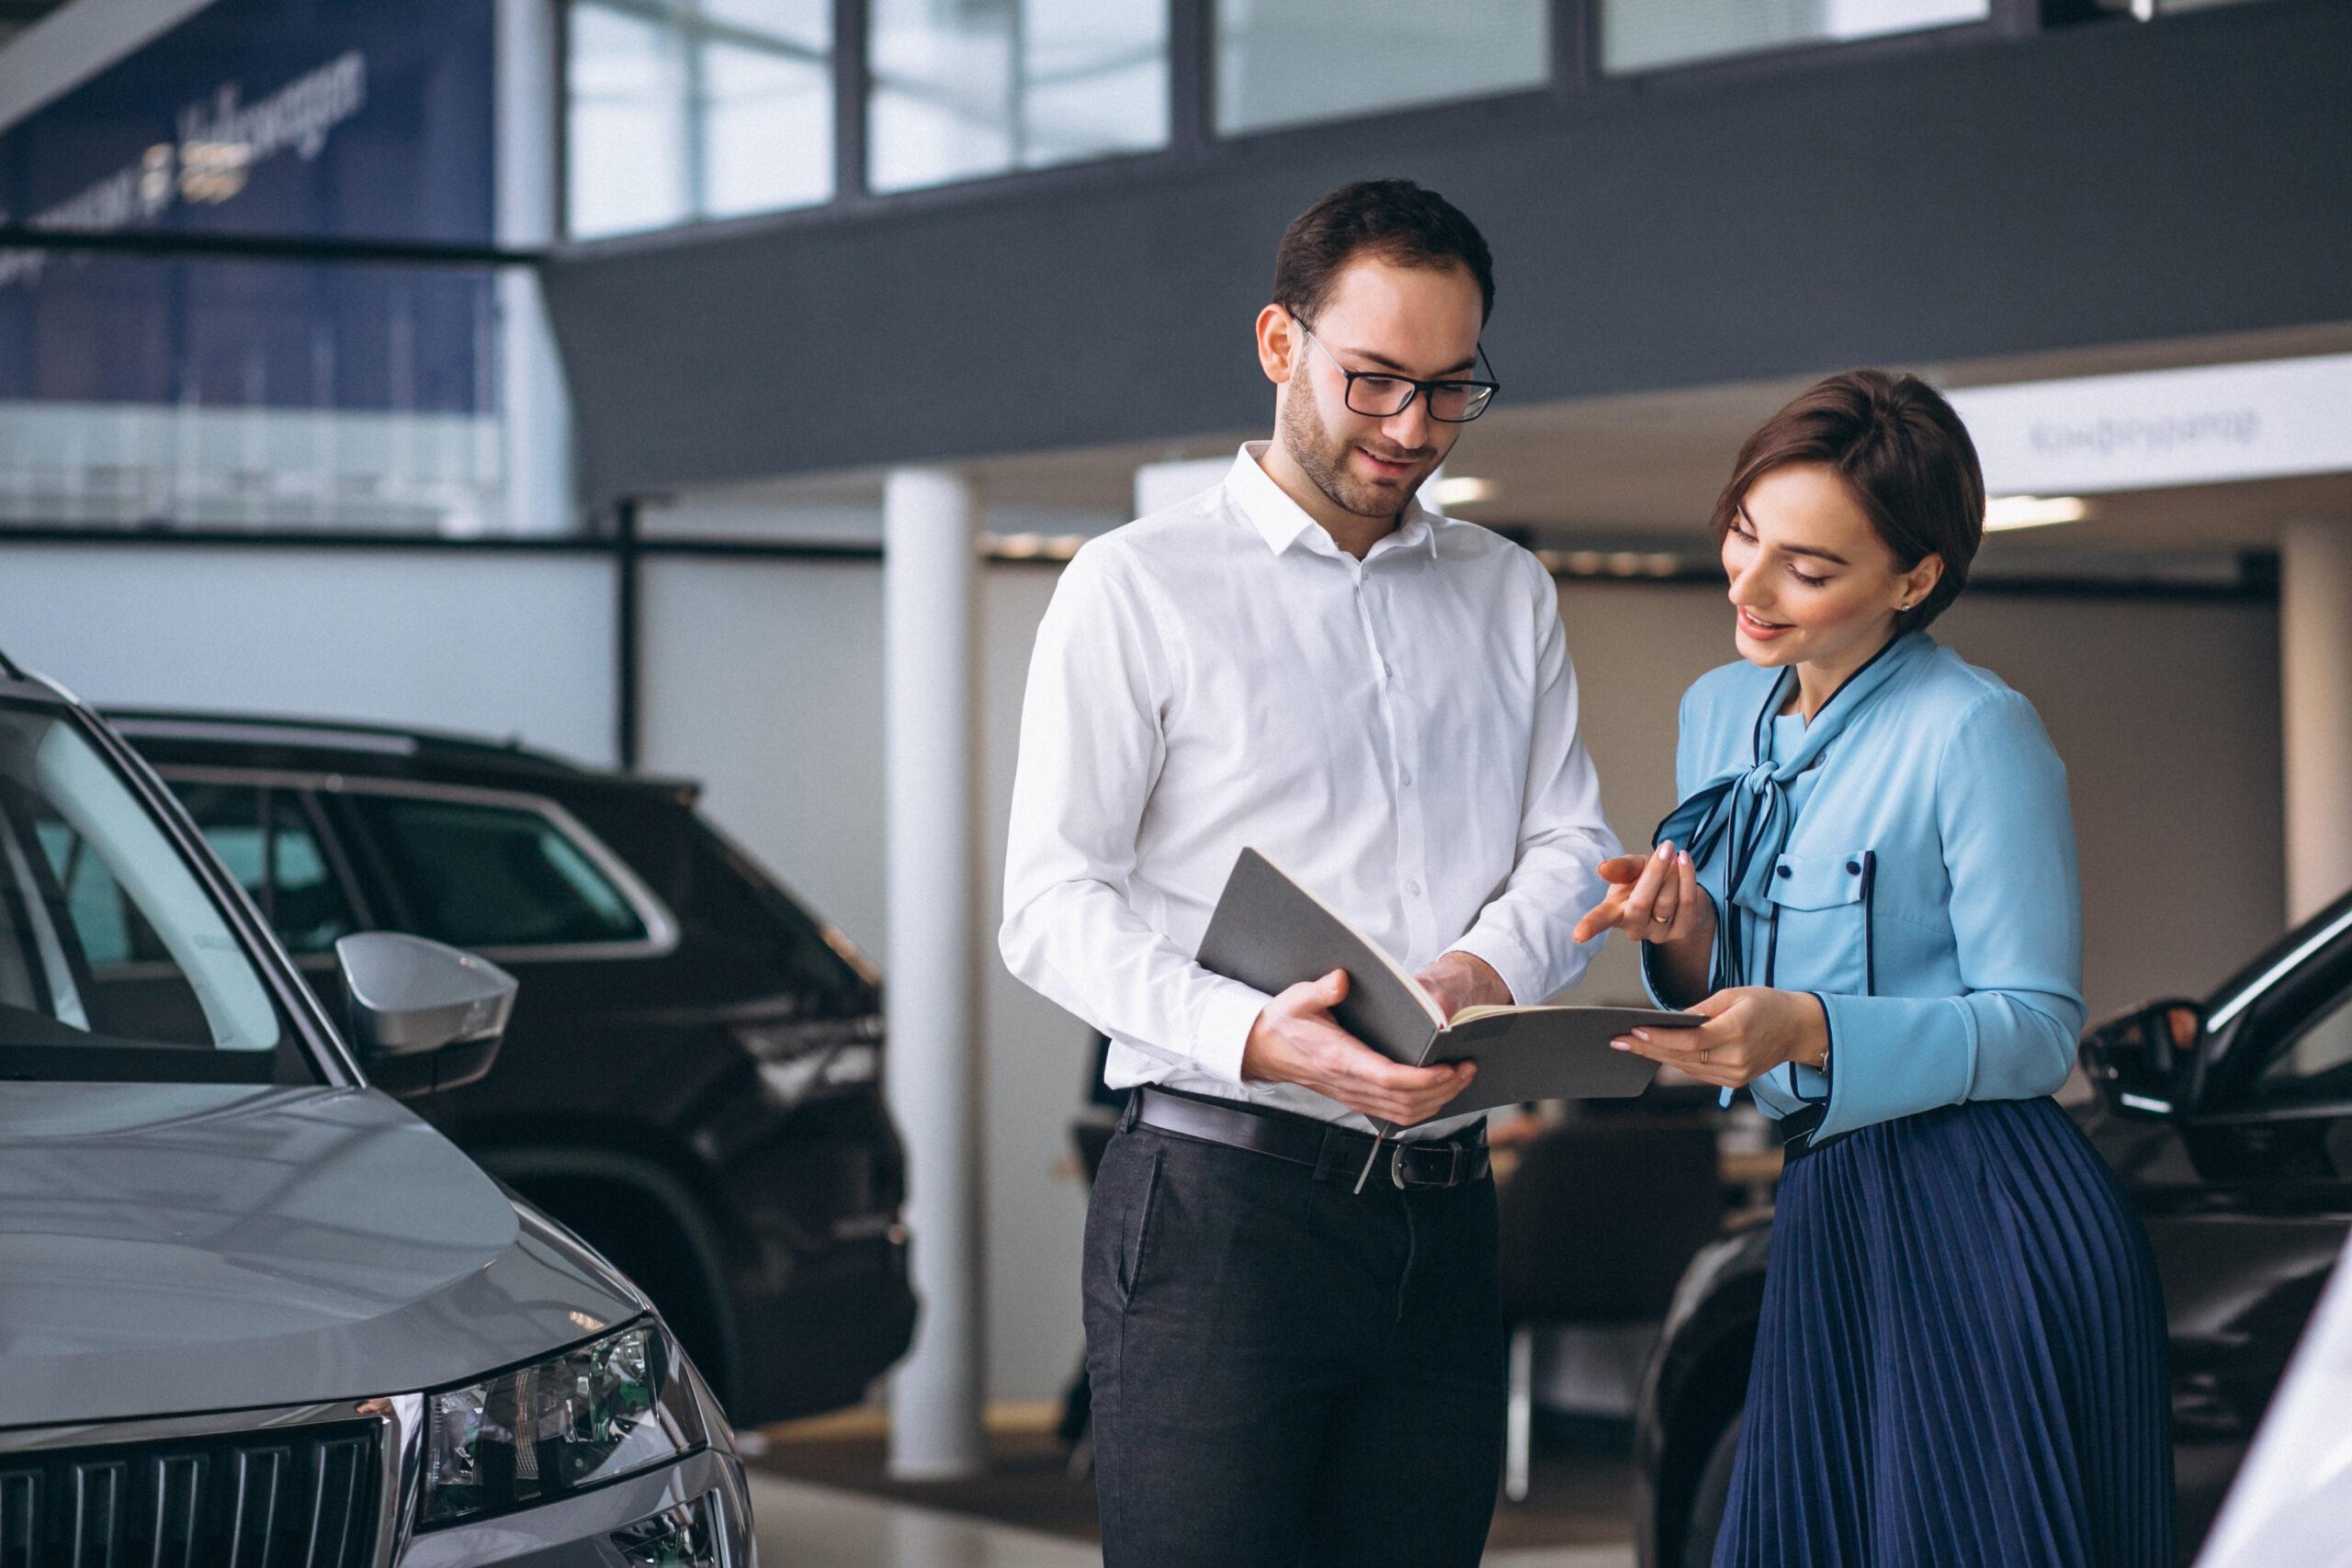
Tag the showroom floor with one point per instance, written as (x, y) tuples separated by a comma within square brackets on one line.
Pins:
[(821, 1495), (801, 1523)]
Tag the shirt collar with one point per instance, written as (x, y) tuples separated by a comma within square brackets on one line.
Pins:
[(1282, 521)]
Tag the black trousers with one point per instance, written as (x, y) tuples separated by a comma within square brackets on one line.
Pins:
[(1287, 1372)]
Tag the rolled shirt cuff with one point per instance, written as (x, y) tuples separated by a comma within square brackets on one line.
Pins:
[(1501, 951), (1222, 1031)]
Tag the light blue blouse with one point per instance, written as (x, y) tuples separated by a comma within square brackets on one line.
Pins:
[(1926, 889)]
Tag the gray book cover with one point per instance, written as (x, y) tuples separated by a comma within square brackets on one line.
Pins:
[(1271, 933)]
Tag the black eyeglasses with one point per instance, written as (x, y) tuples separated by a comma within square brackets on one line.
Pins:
[(1378, 395)]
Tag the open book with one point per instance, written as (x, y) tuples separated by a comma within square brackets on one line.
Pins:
[(1270, 933)]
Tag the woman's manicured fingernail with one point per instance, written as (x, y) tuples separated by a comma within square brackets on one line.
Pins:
[(1621, 1046), (1683, 855), (1643, 1036), (1666, 849)]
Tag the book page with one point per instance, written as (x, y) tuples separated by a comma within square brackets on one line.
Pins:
[(1403, 976)]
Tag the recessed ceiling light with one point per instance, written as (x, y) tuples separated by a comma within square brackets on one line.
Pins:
[(1462, 491), (2033, 511)]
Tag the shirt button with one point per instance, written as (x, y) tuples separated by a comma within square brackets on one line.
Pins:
[(1408, 781), (1782, 871), (1414, 888), (1853, 868)]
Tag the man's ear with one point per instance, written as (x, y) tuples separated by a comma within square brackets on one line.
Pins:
[(1278, 344)]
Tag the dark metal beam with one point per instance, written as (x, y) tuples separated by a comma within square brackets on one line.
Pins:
[(176, 244)]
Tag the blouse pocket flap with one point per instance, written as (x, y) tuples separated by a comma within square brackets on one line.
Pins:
[(1818, 882)]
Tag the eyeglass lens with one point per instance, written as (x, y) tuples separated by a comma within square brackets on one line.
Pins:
[(1382, 397)]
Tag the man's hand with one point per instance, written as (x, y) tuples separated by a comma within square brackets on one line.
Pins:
[(1296, 1040), (1461, 980), (1750, 1030)]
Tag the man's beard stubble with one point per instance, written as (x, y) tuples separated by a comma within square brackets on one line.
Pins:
[(1323, 459)]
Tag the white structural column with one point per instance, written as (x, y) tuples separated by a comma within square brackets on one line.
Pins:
[(2315, 688), (930, 530)]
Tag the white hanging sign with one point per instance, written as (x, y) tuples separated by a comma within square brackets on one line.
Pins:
[(2206, 424)]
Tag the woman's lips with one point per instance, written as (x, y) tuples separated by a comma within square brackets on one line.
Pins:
[(1764, 631)]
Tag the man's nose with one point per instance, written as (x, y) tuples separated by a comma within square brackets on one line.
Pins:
[(1409, 426)]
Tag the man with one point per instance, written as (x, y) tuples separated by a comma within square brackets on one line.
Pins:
[(1305, 660)]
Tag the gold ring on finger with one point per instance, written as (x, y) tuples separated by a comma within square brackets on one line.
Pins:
[(1661, 920)]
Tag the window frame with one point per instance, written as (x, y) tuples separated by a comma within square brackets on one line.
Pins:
[(694, 28), (329, 839), (2286, 1005), (1573, 78), (310, 1039), (661, 925)]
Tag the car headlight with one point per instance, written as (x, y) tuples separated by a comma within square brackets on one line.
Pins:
[(592, 1415), (801, 1060)]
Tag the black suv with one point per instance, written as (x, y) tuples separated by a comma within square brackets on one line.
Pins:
[(2229, 1122), (692, 1077)]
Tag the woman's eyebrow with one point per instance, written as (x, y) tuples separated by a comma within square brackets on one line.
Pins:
[(1831, 556)]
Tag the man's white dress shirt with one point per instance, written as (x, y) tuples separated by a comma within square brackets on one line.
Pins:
[(1400, 733)]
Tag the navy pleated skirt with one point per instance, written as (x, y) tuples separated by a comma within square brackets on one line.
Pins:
[(1961, 1359)]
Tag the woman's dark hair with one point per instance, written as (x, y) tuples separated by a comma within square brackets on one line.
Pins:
[(1393, 220), (1904, 456)]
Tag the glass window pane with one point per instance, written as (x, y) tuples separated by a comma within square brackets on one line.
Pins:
[(145, 391), (965, 88), (1643, 35), (2317, 1064), (298, 892), (1295, 62), (624, 131), (492, 876), (768, 129), (106, 937), (1095, 80)]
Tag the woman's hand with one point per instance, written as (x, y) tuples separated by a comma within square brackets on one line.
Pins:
[(1655, 898), (1750, 1030)]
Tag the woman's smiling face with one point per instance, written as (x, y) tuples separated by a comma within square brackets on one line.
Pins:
[(1811, 580)]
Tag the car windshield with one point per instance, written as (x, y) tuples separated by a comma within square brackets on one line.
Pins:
[(114, 961)]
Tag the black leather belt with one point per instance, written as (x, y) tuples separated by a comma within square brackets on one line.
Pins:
[(1796, 1133), (1302, 1140)]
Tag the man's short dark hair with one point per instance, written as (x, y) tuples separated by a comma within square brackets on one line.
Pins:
[(1394, 220)]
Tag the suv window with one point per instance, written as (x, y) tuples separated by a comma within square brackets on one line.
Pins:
[(270, 845), (115, 960), (475, 875), (2315, 1062)]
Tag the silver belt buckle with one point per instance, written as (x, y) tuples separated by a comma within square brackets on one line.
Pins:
[(1397, 1167)]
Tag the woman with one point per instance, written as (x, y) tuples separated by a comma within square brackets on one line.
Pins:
[(1870, 893)]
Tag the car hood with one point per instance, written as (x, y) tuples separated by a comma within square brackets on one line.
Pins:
[(176, 1248)]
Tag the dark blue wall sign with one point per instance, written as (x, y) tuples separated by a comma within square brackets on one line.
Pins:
[(352, 119)]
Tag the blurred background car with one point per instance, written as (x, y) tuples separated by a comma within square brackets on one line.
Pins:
[(258, 1312), (690, 1079), (2229, 1123)]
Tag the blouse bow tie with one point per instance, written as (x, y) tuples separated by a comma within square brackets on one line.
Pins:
[(1746, 814)]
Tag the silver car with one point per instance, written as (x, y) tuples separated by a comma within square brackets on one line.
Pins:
[(255, 1313)]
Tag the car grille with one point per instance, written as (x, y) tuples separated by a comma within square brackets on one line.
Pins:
[(298, 1497)]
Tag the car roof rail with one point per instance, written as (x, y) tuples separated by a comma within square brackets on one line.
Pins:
[(10, 668)]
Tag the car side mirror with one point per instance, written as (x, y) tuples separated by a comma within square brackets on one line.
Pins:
[(2139, 1061), (425, 1016)]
